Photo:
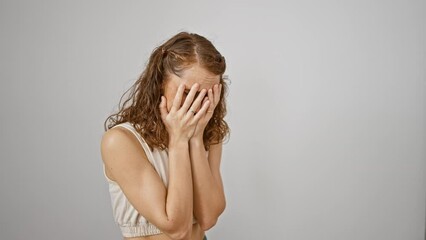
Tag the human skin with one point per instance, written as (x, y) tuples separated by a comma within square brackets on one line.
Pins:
[(208, 194), (195, 185)]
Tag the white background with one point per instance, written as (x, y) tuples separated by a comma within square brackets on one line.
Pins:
[(327, 110)]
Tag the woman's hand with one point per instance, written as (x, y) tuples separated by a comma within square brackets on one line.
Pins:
[(213, 98), (181, 121)]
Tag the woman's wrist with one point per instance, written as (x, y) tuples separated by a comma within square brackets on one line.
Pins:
[(196, 140), (177, 142)]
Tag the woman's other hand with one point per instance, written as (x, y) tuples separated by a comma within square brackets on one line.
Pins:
[(213, 98)]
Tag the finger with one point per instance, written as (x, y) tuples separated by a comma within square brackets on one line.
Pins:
[(202, 111), (211, 97), (198, 101), (178, 98), (163, 108), (195, 105), (204, 100), (190, 97)]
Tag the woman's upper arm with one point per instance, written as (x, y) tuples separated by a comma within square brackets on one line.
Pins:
[(127, 163)]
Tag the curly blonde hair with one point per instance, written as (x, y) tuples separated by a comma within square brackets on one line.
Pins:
[(141, 108)]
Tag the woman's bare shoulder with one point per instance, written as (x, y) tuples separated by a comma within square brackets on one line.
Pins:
[(119, 143), (116, 137)]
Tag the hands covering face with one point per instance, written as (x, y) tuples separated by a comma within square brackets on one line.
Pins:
[(213, 98), (184, 122)]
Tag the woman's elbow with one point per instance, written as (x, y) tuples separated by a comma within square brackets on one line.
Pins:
[(222, 207), (181, 233), (208, 223), (178, 230)]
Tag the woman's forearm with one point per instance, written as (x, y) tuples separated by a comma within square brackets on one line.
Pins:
[(179, 202), (209, 201)]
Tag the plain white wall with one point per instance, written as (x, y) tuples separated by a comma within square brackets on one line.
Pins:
[(326, 106)]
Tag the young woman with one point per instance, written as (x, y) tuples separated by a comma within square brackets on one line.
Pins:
[(162, 150)]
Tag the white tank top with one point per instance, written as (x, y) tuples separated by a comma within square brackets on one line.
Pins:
[(131, 223)]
